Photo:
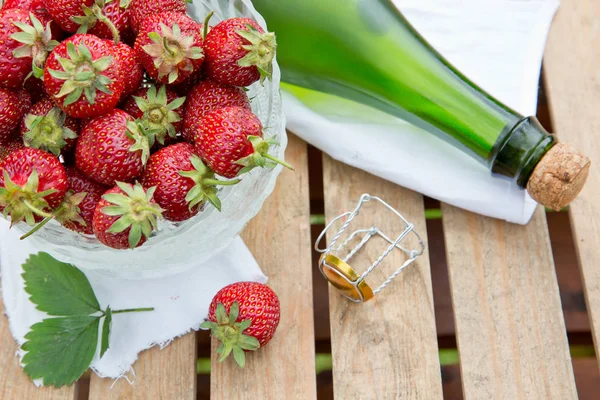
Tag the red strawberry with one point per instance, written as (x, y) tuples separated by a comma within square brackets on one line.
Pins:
[(62, 12), (14, 143), (161, 112), (183, 183), (140, 9), (112, 148), (32, 184), (126, 216), (88, 83), (38, 7), (169, 46), (244, 317), (103, 18), (208, 96), (130, 68), (77, 209), (35, 88), (13, 105), (48, 128), (25, 45), (239, 52), (230, 141)]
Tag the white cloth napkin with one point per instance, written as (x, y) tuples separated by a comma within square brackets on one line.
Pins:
[(181, 301), (499, 45)]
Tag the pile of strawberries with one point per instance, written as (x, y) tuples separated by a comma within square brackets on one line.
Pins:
[(116, 113)]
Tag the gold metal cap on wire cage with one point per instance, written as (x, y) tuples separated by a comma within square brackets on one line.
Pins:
[(341, 274)]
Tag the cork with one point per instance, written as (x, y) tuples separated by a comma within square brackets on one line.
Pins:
[(559, 177)]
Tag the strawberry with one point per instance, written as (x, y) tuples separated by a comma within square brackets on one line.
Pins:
[(238, 52), (35, 88), (13, 105), (161, 112), (112, 148), (130, 68), (83, 76), (243, 317), (14, 143), (25, 46), (207, 96), (126, 216), (230, 141), (38, 8), (183, 183), (32, 184), (169, 46), (104, 18), (48, 128), (77, 209), (140, 9)]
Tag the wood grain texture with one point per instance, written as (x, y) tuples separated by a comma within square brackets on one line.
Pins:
[(509, 324), (279, 238), (14, 384), (573, 86), (385, 348), (167, 374)]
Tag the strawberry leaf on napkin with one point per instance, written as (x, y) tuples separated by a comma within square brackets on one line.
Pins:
[(58, 288), (59, 350)]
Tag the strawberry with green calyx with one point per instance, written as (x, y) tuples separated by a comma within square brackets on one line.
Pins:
[(239, 52), (208, 96), (113, 147), (48, 128), (243, 317), (140, 9), (13, 105), (183, 183), (32, 184), (38, 8), (82, 76), (63, 11), (159, 110), (107, 19), (169, 47), (77, 210), (126, 216), (36, 43), (230, 140)]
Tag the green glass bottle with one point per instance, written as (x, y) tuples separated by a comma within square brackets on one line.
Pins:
[(365, 50)]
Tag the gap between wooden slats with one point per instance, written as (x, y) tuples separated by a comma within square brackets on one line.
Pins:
[(14, 384), (279, 238), (510, 328), (386, 348), (572, 71)]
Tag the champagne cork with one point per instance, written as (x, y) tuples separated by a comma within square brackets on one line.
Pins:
[(559, 177)]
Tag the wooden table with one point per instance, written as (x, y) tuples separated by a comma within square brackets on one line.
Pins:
[(510, 327)]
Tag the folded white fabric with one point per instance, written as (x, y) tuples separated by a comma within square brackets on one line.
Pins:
[(181, 301), (499, 45)]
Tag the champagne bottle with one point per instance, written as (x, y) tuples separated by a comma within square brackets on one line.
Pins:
[(366, 51)]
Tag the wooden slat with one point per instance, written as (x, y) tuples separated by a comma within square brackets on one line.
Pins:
[(385, 348), (573, 85), (279, 238), (168, 374), (14, 384), (509, 324)]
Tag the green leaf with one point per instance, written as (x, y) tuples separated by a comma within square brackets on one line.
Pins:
[(106, 332), (58, 288), (60, 350), (239, 356)]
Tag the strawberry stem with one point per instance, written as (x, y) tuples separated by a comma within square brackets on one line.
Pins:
[(205, 28), (113, 29), (36, 228), (130, 310), (278, 161), (215, 182), (36, 210)]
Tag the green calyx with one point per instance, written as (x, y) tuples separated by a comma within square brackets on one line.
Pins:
[(48, 132), (23, 203), (92, 15), (143, 138), (136, 210), (82, 75), (36, 43), (172, 52), (206, 185), (159, 114), (261, 157), (231, 334), (261, 51)]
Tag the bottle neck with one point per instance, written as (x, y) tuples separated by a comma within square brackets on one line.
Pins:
[(520, 148)]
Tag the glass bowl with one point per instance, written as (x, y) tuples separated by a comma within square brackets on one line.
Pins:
[(178, 247)]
